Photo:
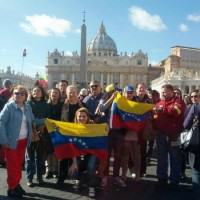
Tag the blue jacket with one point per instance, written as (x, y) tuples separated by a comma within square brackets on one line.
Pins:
[(194, 111), (91, 103), (10, 123)]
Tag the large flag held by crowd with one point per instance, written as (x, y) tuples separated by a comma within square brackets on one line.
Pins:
[(129, 114), (72, 140)]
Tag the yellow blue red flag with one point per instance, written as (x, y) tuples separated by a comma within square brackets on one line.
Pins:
[(129, 114), (72, 139)]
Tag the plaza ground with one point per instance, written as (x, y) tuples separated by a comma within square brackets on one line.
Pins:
[(146, 189)]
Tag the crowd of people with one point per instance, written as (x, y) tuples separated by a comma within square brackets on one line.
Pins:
[(25, 141)]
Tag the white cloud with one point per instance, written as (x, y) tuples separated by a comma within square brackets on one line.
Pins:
[(146, 21), (183, 28), (194, 17), (68, 53), (45, 25)]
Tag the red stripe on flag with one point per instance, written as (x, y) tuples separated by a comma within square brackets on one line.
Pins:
[(70, 150), (136, 126)]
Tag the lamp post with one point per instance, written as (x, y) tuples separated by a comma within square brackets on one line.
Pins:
[(22, 66)]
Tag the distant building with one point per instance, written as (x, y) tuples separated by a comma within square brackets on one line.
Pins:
[(102, 63), (181, 69), (16, 78)]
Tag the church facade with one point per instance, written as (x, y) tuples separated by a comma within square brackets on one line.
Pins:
[(181, 69), (16, 78), (102, 63)]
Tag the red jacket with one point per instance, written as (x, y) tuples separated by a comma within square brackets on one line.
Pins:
[(169, 116), (5, 92)]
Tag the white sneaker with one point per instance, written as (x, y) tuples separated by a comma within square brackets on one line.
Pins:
[(91, 192), (75, 184), (133, 175)]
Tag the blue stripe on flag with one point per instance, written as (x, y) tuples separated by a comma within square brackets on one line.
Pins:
[(80, 142), (125, 116)]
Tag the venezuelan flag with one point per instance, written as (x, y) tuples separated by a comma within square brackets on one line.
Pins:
[(129, 114), (72, 140)]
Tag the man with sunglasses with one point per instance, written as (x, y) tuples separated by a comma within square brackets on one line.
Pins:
[(92, 101)]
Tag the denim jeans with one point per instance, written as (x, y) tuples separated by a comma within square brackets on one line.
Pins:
[(91, 165), (194, 163), (87, 169), (168, 154), (34, 160)]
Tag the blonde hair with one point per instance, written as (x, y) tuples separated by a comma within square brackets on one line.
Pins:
[(71, 87)]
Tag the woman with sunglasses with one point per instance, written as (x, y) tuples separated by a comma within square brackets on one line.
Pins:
[(16, 120), (193, 112)]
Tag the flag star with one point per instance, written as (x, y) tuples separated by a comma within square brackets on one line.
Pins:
[(84, 143), (75, 139), (70, 139), (79, 140)]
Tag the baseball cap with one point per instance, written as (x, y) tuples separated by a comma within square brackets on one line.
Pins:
[(83, 92), (129, 88), (110, 88)]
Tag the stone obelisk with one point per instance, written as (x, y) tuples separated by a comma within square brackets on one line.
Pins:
[(83, 54)]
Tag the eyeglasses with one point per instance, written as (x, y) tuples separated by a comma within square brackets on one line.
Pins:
[(195, 96), (93, 86), (130, 92), (19, 93)]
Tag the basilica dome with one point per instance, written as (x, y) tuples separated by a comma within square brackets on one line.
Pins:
[(102, 44)]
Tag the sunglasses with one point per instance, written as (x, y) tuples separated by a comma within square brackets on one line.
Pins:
[(19, 93), (93, 86), (195, 96)]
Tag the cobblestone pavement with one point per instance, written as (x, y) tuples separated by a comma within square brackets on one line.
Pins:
[(146, 189)]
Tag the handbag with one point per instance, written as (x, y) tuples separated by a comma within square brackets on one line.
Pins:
[(190, 139)]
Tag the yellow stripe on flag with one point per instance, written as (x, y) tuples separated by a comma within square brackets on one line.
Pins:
[(132, 106), (74, 129)]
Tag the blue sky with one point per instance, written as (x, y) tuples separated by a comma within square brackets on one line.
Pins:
[(43, 25)]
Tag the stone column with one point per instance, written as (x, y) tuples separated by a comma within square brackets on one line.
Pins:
[(190, 88), (50, 80), (108, 78), (121, 80), (111, 77), (73, 78), (132, 79), (101, 79), (63, 76), (92, 76)]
